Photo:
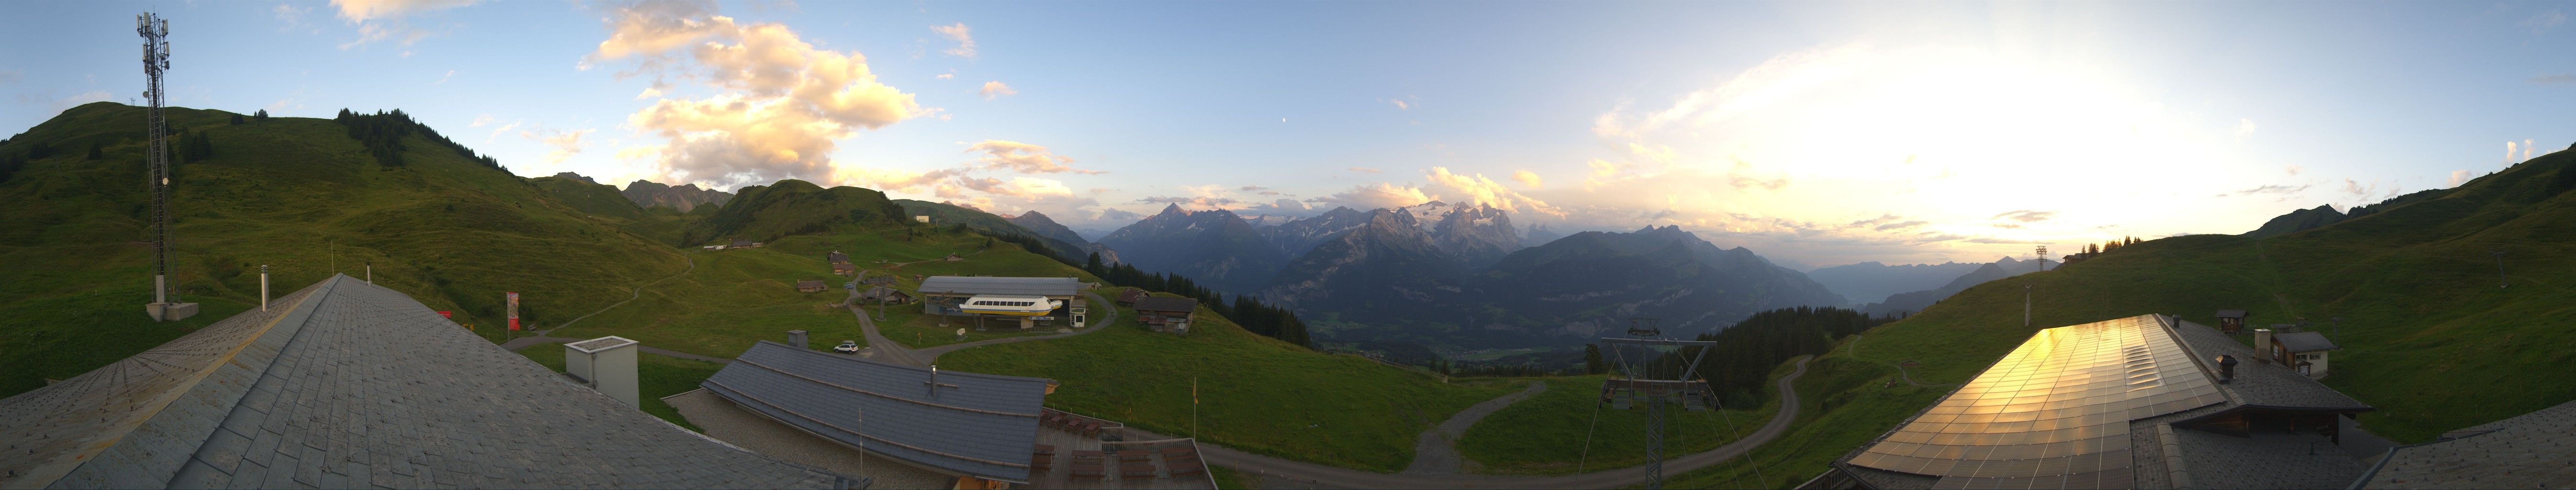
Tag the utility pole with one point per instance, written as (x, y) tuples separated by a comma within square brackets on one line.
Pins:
[(2025, 305), (2499, 255)]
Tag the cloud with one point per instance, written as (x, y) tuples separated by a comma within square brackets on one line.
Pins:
[(443, 79), (565, 144), (2358, 190), (2555, 79), (1373, 196), (1365, 170), (783, 104), (2458, 177), (1253, 188), (381, 20), (1402, 104), (2526, 149), (292, 18), (1526, 178), (1021, 187), (2025, 216), (996, 89), (2508, 152), (2270, 189), (480, 120), (2293, 169), (2544, 21), (1899, 225), (951, 75), (964, 37), (1742, 182), (2244, 127), (1201, 203), (1476, 189), (1023, 158)]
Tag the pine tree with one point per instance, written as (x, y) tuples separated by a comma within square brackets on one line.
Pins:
[(95, 151), (263, 114), (1592, 363)]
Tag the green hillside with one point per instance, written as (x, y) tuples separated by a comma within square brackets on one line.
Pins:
[(1255, 393), (299, 194), (2428, 336), (791, 207), (987, 223)]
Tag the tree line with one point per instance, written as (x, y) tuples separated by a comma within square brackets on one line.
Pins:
[(382, 133), (1245, 311), (1745, 354)]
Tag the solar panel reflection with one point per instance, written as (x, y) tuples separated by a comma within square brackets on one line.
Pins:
[(2055, 412)]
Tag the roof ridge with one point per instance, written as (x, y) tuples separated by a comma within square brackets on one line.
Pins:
[(139, 418)]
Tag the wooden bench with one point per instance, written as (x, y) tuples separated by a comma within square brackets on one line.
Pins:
[(1136, 471), (1087, 471)]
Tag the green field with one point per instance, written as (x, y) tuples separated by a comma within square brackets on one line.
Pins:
[(1546, 434), (656, 377), (297, 194), (2428, 338), (1255, 393), (732, 299)]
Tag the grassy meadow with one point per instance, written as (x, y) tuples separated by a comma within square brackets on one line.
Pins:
[(1545, 434), (1255, 393)]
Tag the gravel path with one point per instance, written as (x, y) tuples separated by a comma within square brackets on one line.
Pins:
[(743, 428), (1436, 452)]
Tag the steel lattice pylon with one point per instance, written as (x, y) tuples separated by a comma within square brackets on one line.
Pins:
[(1648, 338), (156, 59)]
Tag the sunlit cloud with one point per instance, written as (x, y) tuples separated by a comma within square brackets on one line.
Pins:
[(1374, 196), (382, 20), (2457, 177), (781, 108), (959, 33), (1527, 178), (562, 144), (1022, 157), (994, 89), (1365, 170)]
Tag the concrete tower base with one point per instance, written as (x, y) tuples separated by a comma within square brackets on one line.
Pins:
[(168, 312)]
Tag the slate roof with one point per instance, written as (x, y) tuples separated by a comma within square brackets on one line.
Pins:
[(1160, 303), (885, 293), (969, 424), (1039, 286), (2305, 342), (348, 385), (2231, 313), (2161, 368), (2533, 450), (2261, 383)]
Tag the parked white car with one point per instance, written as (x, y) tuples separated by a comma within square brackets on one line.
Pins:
[(847, 347)]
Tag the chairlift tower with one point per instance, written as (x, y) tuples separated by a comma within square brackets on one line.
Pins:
[(156, 59), (1647, 338)]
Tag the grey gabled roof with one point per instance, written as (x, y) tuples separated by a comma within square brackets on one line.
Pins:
[(968, 424), (1161, 303), (2533, 450), (349, 385), (1042, 286), (2231, 313), (2304, 342)]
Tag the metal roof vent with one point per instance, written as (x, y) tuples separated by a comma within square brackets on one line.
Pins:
[(2226, 369), (606, 364)]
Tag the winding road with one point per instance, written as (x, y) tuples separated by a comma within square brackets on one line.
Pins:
[(1436, 451), (1310, 474)]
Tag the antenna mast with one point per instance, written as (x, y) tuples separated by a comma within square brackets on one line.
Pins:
[(156, 59)]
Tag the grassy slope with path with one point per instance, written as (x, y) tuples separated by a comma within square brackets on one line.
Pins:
[(2428, 337), (295, 193), (1257, 394), (1545, 434)]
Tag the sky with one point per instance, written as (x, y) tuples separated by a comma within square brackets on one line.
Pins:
[(1814, 133)]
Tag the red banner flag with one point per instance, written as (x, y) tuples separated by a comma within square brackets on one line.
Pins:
[(514, 309), (446, 314)]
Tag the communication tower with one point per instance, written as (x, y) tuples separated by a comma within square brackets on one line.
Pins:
[(156, 59)]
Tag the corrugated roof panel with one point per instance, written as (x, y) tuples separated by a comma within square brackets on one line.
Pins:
[(970, 424), (1045, 286)]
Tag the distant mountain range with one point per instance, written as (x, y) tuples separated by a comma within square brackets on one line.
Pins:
[(1905, 303), (1462, 275), (649, 194), (1048, 228), (1868, 281)]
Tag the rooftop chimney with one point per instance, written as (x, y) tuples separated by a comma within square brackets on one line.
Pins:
[(2262, 343), (2226, 369), (606, 364), (796, 338)]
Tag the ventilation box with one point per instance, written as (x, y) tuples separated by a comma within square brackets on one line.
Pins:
[(606, 364)]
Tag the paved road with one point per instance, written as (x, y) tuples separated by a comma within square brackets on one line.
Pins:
[(1309, 474), (1436, 452)]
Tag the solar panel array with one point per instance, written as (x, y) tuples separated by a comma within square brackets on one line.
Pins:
[(2053, 414)]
